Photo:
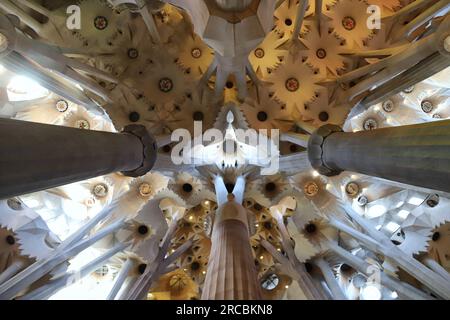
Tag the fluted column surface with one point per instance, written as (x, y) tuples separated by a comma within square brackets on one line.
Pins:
[(37, 156), (231, 273), (416, 154)]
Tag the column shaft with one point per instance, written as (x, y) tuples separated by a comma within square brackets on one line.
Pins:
[(417, 154), (37, 156), (231, 273)]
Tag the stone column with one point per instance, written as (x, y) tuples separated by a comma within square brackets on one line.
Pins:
[(417, 155), (231, 273), (38, 156)]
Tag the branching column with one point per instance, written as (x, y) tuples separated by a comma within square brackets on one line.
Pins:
[(37, 156), (417, 154), (231, 273)]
